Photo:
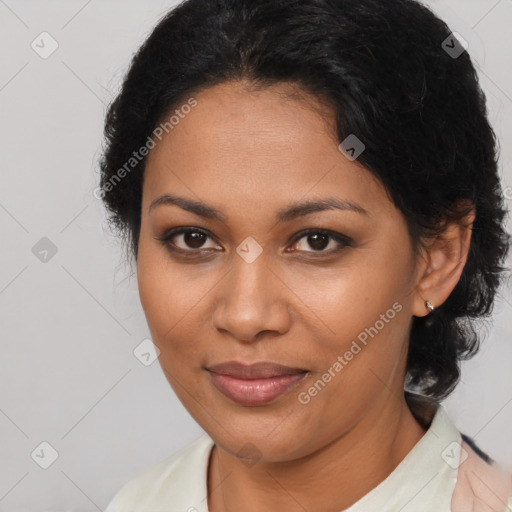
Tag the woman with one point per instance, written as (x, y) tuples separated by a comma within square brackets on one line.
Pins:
[(310, 193)]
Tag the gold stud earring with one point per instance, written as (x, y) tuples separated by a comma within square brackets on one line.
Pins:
[(429, 306)]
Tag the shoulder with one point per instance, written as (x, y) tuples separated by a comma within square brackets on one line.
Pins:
[(481, 483), (179, 479)]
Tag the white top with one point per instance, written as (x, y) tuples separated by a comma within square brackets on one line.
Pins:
[(424, 481)]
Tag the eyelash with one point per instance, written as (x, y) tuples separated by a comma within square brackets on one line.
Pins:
[(166, 238)]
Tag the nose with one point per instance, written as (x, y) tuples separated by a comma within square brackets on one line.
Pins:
[(250, 300)]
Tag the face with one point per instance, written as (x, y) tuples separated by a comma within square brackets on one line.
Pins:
[(327, 289)]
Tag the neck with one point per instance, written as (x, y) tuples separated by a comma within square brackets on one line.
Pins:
[(332, 478)]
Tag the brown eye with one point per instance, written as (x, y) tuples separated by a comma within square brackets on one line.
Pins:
[(194, 239), (186, 240), (320, 240)]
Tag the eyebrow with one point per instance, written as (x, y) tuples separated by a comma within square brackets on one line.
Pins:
[(286, 214)]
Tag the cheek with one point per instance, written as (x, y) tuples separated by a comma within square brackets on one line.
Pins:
[(166, 305), (166, 297), (175, 299), (360, 362), (362, 317), (342, 302)]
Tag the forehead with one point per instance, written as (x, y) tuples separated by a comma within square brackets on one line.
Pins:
[(242, 146)]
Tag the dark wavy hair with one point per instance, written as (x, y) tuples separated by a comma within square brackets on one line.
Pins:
[(385, 68)]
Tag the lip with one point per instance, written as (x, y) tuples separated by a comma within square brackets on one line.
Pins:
[(255, 384), (259, 370)]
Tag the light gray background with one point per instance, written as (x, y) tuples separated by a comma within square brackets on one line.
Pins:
[(69, 326)]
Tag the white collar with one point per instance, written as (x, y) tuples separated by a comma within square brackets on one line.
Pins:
[(423, 481)]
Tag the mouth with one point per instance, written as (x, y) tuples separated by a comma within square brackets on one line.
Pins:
[(255, 384)]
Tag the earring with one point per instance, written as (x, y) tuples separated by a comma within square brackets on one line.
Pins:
[(429, 306)]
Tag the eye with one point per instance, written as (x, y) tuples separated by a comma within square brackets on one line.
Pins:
[(319, 240), (192, 240), (186, 239)]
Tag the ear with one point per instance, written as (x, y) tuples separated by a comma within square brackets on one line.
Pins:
[(443, 260)]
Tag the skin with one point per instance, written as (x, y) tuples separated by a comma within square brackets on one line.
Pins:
[(249, 153)]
